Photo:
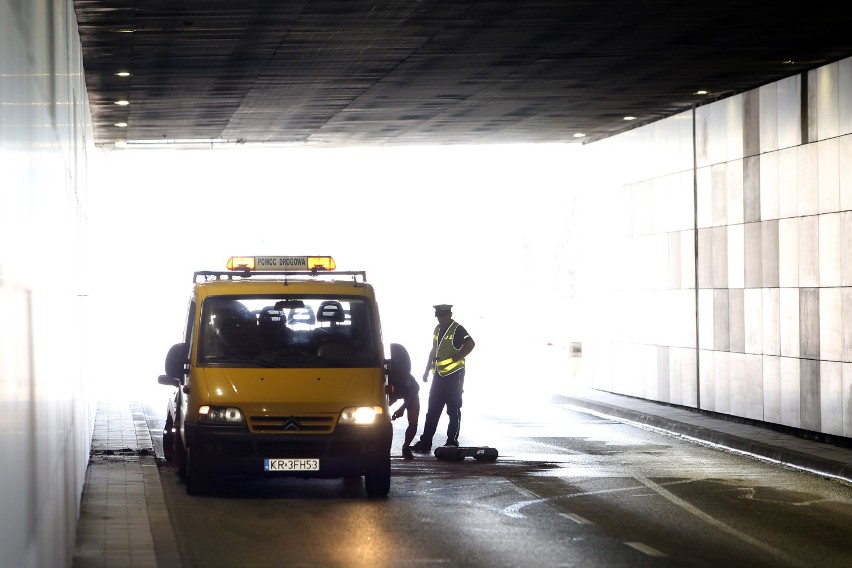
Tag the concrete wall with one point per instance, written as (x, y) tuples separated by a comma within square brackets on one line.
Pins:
[(749, 197), (45, 416)]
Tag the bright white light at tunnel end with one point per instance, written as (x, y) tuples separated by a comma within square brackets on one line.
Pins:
[(201, 183)]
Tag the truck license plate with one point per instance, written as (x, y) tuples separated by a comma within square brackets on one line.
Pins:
[(291, 464)]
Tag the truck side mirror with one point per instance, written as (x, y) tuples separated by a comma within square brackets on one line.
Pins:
[(176, 361), (168, 381)]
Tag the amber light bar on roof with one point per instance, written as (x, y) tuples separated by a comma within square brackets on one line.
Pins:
[(281, 263)]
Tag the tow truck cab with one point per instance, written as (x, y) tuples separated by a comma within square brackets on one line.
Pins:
[(281, 372)]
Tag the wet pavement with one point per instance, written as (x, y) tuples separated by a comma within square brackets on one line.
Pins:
[(123, 510)]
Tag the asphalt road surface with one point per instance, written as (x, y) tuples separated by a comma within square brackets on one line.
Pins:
[(569, 489)]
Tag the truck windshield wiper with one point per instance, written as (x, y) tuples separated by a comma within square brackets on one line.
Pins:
[(243, 360)]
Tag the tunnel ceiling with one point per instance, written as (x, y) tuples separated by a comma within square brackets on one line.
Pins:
[(355, 72)]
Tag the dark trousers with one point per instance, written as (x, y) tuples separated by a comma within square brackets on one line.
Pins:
[(445, 391)]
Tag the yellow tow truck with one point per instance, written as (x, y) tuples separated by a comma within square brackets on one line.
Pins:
[(281, 372)]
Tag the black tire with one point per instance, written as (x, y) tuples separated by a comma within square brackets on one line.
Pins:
[(489, 455), (169, 441), (180, 457), (448, 453), (197, 480), (377, 479)]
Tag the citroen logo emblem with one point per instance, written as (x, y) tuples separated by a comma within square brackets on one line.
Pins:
[(291, 424)]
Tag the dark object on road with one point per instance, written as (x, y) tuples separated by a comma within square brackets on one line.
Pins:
[(453, 453)]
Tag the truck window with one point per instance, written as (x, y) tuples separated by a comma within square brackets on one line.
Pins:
[(286, 332)]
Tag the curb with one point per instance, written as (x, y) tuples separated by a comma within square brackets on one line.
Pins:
[(825, 467)]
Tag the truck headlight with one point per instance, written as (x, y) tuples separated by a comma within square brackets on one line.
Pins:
[(220, 415), (361, 415)]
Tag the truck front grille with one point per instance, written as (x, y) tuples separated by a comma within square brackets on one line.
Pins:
[(294, 424)]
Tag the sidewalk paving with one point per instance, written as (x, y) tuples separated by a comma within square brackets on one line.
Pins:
[(123, 511)]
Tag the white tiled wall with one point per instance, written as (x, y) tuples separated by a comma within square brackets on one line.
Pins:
[(772, 217), (44, 134)]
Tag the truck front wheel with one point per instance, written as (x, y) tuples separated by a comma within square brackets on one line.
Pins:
[(377, 478), (197, 480)]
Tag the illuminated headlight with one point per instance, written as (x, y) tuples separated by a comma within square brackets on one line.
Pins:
[(220, 415), (361, 415)]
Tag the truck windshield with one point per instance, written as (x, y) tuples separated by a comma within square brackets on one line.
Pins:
[(287, 332)]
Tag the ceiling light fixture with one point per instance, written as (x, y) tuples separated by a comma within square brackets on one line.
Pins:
[(123, 74), (122, 103), (121, 124), (185, 142), (629, 118), (700, 92), (579, 135)]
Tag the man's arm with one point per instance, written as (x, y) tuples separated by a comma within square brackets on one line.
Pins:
[(465, 350), (429, 363), (399, 411)]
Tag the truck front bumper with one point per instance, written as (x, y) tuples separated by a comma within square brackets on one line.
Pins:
[(348, 451)]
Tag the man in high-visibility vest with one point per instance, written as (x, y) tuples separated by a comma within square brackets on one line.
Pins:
[(450, 345)]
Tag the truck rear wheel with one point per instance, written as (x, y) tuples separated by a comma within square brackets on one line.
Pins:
[(169, 441)]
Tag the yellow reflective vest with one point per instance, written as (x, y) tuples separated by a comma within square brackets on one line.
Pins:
[(444, 363)]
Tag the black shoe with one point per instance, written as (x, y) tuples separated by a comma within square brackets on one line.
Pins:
[(406, 453), (421, 448), (451, 444)]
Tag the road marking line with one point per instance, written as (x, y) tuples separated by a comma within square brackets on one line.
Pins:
[(577, 518), (769, 549), (513, 511), (645, 549), (526, 493)]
